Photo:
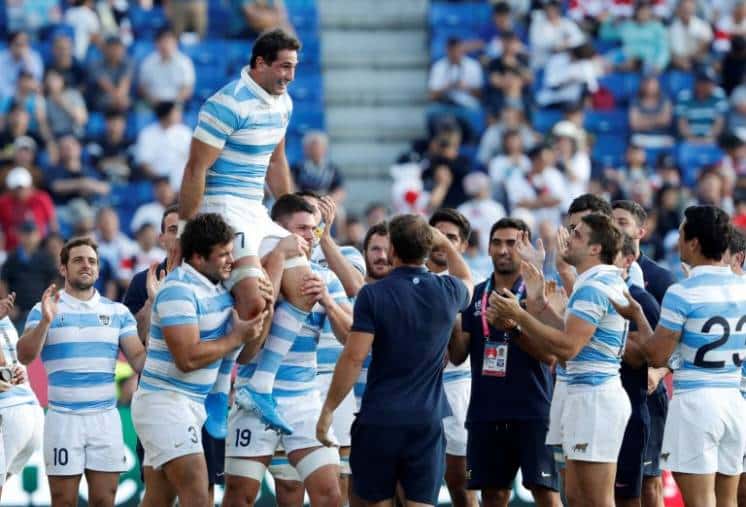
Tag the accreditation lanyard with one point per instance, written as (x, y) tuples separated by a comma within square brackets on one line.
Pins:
[(495, 359)]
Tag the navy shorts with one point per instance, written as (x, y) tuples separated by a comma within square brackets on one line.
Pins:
[(414, 456), (214, 456), (628, 483), (495, 452), (658, 409)]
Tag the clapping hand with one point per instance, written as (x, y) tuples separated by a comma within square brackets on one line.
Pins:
[(6, 305), (503, 306), (153, 280), (49, 303), (528, 253)]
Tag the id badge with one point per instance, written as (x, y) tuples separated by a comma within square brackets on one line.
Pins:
[(495, 362)]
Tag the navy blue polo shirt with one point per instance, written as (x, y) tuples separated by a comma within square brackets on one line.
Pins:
[(635, 380), (137, 292), (524, 393), (411, 313), (657, 278)]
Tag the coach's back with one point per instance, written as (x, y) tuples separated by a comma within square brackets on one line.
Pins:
[(411, 313)]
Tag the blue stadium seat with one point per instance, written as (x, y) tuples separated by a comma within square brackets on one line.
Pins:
[(140, 49), (305, 119), (146, 23), (96, 125), (608, 150), (307, 87), (653, 154), (607, 122), (693, 157), (470, 14), (623, 85), (138, 120), (544, 119), (294, 148), (673, 81), (439, 39)]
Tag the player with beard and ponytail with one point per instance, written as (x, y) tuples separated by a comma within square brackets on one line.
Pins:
[(79, 335)]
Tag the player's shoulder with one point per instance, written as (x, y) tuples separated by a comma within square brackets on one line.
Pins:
[(354, 256)]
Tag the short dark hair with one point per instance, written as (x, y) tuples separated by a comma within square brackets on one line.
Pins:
[(510, 223), (605, 234), (590, 202), (174, 208), (72, 243), (379, 229), (711, 226), (633, 208), (308, 193), (270, 43), (454, 217), (203, 233), (411, 238), (628, 245), (290, 204), (737, 243), (164, 31), (164, 108)]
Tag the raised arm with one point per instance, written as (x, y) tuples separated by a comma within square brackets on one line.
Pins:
[(279, 178), (32, 340)]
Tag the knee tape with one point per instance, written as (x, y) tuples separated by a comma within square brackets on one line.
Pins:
[(321, 457), (284, 472), (295, 262), (245, 468), (238, 274)]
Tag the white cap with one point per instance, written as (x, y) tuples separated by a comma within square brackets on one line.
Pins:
[(18, 177), (566, 128)]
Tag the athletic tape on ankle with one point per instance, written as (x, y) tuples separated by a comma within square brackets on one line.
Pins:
[(245, 468), (320, 457)]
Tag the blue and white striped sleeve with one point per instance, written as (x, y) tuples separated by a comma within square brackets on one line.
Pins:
[(336, 290), (588, 303), (217, 120), (34, 317), (354, 257), (176, 305), (127, 323), (674, 309)]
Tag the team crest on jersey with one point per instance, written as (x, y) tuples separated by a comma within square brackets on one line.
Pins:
[(105, 320)]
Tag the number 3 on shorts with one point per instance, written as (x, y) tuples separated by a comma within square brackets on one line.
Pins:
[(193, 434)]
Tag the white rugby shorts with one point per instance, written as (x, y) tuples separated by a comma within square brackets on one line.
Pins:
[(23, 434), (454, 426)]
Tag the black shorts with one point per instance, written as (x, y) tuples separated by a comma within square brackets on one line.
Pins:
[(658, 409), (214, 456), (628, 483), (381, 456), (495, 452)]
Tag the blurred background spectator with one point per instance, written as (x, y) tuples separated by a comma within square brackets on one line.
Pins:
[(162, 148), (316, 172), (166, 74)]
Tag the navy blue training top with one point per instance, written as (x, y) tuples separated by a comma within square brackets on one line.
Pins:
[(524, 393), (657, 278), (411, 313)]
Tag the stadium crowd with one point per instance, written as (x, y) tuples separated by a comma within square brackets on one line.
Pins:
[(531, 244)]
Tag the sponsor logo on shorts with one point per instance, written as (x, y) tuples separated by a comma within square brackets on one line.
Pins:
[(665, 455), (580, 447)]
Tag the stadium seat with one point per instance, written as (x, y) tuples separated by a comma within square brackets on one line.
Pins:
[(623, 85), (607, 122), (138, 120), (673, 81), (473, 15), (693, 157), (608, 150), (96, 125), (140, 49), (305, 119), (544, 119), (307, 87), (146, 23)]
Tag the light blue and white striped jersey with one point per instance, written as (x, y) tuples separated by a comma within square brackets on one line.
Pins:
[(709, 310), (599, 361), (297, 373), (186, 297), (455, 372), (329, 347), (80, 351), (362, 380), (246, 123), (20, 394)]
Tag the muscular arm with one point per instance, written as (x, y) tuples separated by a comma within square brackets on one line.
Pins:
[(340, 318), (134, 351), (352, 279), (458, 345), (142, 318), (657, 346), (278, 174), (32, 341), (190, 353), (201, 157), (545, 340)]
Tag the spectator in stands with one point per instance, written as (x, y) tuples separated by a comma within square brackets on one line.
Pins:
[(551, 33), (316, 172), (24, 155), (570, 75), (651, 115), (737, 115), (456, 79), (28, 94), (733, 65), (162, 148), (492, 142), (701, 112), (481, 210), (689, 37), (18, 58), (354, 232), (73, 177), (65, 107), (113, 244), (491, 39), (13, 125), (146, 253), (443, 170), (375, 213), (32, 16), (22, 202), (166, 74), (508, 77), (152, 212), (82, 17), (111, 78), (572, 161), (188, 16), (731, 24), (65, 63), (110, 153), (115, 21), (540, 191), (28, 271), (733, 164), (512, 159), (710, 190), (644, 40), (255, 16)]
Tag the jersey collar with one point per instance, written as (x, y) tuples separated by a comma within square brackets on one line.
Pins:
[(79, 303), (600, 268), (709, 270), (256, 89), (202, 279)]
